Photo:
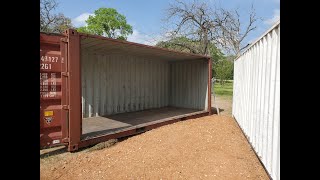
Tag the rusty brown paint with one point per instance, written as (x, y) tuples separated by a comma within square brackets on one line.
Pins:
[(74, 83), (50, 90), (66, 104), (64, 90), (50, 38)]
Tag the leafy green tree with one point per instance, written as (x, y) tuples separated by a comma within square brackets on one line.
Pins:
[(109, 23), (223, 70)]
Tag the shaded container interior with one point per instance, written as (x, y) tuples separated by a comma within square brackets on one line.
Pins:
[(124, 85)]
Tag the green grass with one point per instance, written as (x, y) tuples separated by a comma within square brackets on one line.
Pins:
[(225, 90)]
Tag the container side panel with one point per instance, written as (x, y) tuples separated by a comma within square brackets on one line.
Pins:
[(189, 84), (256, 98), (113, 84)]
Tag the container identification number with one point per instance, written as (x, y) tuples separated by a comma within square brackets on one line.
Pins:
[(45, 66), (49, 59)]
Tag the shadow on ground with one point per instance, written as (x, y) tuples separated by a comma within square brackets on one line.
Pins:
[(52, 151), (214, 110)]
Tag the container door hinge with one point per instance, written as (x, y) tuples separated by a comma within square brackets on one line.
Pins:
[(65, 74), (66, 107)]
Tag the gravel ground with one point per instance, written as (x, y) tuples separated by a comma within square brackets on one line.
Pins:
[(211, 147), (224, 103)]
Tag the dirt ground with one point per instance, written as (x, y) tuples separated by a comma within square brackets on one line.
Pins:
[(224, 103), (210, 147)]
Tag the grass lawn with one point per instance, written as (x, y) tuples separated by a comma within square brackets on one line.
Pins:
[(225, 90), (223, 98)]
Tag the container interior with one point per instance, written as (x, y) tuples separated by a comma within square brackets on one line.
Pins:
[(127, 85)]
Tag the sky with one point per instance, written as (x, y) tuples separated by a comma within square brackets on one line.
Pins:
[(146, 16)]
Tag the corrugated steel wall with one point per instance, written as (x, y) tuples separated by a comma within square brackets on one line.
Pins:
[(189, 82), (256, 98), (116, 83)]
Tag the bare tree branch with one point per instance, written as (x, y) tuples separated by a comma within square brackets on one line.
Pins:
[(233, 34), (50, 22), (203, 24)]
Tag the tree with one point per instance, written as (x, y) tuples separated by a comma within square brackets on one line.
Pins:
[(61, 24), (109, 23), (222, 66), (230, 32), (181, 43), (223, 70), (209, 30), (49, 22), (184, 44), (193, 22), (199, 22)]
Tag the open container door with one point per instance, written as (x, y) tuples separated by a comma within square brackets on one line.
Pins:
[(54, 106)]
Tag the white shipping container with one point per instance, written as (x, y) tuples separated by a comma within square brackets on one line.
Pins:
[(256, 97)]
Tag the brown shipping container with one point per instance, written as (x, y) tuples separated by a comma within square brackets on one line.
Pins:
[(94, 88)]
